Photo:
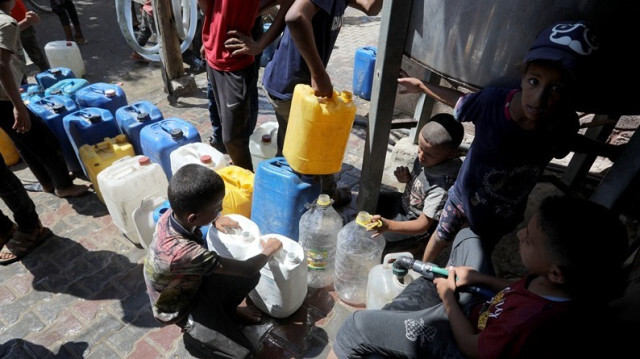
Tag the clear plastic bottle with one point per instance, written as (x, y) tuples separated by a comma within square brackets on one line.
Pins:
[(356, 254), (318, 236)]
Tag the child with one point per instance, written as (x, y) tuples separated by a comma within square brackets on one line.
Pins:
[(192, 286), (301, 57), (517, 133), (148, 28), (66, 11), (37, 145), (434, 171), (532, 317)]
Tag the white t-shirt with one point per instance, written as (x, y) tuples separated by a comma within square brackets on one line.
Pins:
[(10, 41)]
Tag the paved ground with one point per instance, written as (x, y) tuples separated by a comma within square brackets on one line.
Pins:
[(81, 294)]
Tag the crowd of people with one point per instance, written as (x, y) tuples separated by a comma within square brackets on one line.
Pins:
[(468, 205)]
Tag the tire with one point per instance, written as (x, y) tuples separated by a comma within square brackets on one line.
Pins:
[(42, 5)]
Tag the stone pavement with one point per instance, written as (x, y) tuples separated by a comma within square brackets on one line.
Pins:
[(81, 294)]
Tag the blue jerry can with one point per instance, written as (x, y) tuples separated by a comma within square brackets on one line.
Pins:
[(66, 87), (363, 68), (280, 196), (52, 110), (159, 139), (132, 118), (103, 95), (49, 77)]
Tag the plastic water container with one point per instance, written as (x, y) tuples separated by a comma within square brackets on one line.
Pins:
[(30, 93), (263, 142), (238, 243), (319, 227), (238, 190), (159, 139), (66, 87), (8, 149), (282, 286), (318, 131), (267, 53), (49, 77), (197, 152), (356, 254), (103, 95), (363, 69), (65, 53), (143, 218), (89, 126), (52, 110), (280, 196), (132, 118), (385, 281), (124, 184), (95, 158)]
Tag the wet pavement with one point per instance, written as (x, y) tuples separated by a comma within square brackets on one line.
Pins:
[(82, 295)]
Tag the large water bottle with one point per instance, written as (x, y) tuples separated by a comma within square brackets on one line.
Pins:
[(357, 252), (318, 235)]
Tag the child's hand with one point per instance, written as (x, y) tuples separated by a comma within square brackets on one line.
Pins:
[(447, 286), (271, 246), (32, 18), (376, 227), (402, 174), (410, 85), (22, 123), (241, 44), (224, 223)]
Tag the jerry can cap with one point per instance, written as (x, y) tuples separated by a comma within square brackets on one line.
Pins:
[(205, 159), (110, 92), (57, 107), (364, 219), (324, 200), (102, 145), (266, 138), (142, 116), (399, 271), (56, 91), (94, 118), (55, 71), (176, 133), (121, 138), (144, 160)]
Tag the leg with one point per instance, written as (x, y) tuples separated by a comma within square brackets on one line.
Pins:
[(216, 138), (232, 91), (75, 20), (60, 11), (32, 47), (213, 328), (281, 109)]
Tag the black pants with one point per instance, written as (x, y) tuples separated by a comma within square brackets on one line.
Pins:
[(66, 11), (16, 198), (39, 149)]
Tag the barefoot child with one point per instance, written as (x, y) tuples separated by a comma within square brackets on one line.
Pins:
[(192, 286)]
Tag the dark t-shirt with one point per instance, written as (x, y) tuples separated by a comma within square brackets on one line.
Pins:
[(287, 68)]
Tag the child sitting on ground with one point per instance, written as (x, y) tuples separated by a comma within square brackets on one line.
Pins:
[(413, 212), (555, 311), (192, 286)]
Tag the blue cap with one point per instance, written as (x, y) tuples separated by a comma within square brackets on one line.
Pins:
[(565, 42)]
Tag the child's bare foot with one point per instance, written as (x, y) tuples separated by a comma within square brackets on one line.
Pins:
[(74, 190), (249, 315)]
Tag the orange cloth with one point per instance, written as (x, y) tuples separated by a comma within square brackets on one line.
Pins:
[(19, 11)]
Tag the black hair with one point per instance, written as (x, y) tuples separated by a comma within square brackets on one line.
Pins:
[(443, 129), (193, 187), (588, 242)]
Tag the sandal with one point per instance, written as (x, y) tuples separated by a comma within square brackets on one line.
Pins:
[(23, 243)]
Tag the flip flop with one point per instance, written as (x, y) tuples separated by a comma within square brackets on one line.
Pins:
[(80, 41), (23, 243), (33, 187)]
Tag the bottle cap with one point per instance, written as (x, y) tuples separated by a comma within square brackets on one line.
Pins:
[(176, 133), (55, 71), (144, 160), (205, 159), (324, 200), (364, 219), (247, 237), (266, 138), (58, 107), (94, 118), (142, 116), (110, 92)]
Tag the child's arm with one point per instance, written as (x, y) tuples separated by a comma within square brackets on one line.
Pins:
[(583, 144), (298, 20), (465, 334), (31, 18), (243, 44), (417, 226), (446, 95), (251, 266), (435, 246), (22, 122)]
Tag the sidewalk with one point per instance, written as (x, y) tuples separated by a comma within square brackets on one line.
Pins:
[(81, 294)]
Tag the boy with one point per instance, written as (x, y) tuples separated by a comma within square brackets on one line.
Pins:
[(302, 56), (231, 70), (530, 318), (517, 133), (434, 171), (193, 287)]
